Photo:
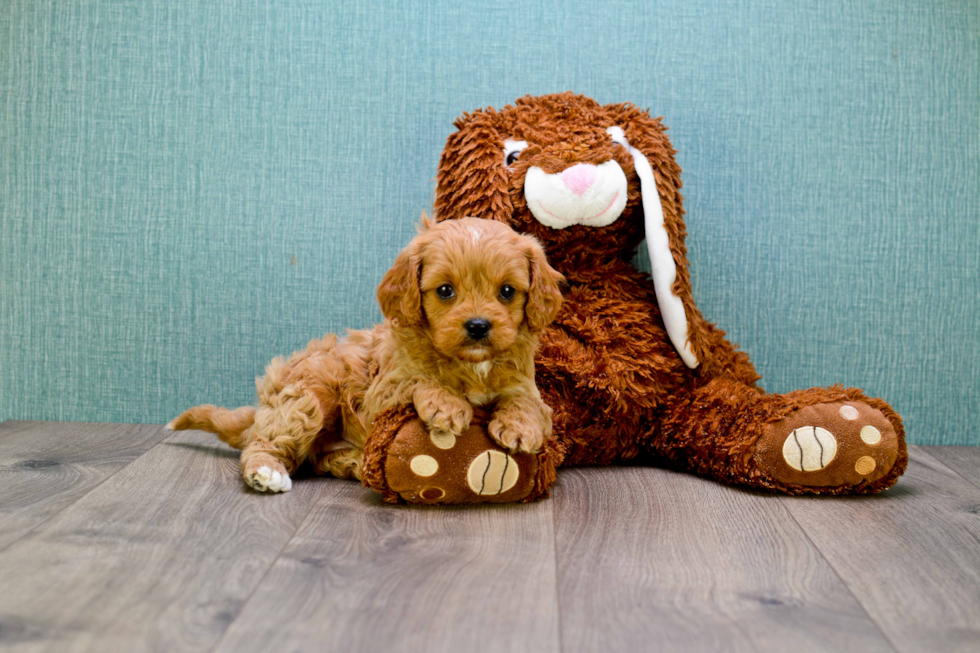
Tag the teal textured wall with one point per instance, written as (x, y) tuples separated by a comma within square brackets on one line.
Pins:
[(188, 188)]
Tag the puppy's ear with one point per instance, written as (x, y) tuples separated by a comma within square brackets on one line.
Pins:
[(544, 296), (425, 223), (399, 293), (653, 158), (472, 179)]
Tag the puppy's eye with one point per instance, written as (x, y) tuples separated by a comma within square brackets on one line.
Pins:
[(512, 158), (507, 292), (445, 291)]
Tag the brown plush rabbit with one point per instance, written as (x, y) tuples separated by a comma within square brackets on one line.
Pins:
[(630, 366)]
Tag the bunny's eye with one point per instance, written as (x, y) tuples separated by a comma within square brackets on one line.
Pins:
[(512, 151), (618, 137)]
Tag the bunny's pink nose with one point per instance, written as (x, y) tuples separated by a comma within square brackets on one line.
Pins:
[(579, 177)]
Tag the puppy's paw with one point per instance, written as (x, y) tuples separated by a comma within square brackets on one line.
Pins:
[(517, 433), (446, 416), (266, 479)]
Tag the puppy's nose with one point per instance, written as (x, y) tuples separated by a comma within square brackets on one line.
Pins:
[(579, 178), (477, 328)]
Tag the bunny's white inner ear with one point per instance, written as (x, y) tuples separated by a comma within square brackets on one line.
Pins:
[(661, 258)]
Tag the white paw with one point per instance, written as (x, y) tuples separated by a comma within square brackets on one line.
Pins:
[(264, 479)]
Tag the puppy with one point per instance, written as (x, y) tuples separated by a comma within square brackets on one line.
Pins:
[(464, 304)]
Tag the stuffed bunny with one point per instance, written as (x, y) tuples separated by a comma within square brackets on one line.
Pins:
[(630, 367)]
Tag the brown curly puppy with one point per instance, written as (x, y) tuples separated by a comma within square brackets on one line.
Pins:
[(464, 304)]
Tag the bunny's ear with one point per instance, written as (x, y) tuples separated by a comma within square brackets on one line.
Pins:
[(472, 180), (653, 159)]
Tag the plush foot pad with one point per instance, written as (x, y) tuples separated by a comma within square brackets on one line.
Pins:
[(266, 479), (840, 444), (470, 469)]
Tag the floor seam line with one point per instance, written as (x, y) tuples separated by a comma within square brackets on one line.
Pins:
[(924, 451), (269, 570), (554, 539), (843, 582)]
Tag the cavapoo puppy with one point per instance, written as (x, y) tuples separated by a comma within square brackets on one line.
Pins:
[(464, 304)]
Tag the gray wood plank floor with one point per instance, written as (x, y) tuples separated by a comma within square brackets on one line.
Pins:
[(45, 467), (658, 560), (131, 538), (965, 461)]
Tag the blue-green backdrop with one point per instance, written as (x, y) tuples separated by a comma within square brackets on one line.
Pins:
[(190, 187)]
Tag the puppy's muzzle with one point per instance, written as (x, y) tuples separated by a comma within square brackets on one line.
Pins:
[(477, 328)]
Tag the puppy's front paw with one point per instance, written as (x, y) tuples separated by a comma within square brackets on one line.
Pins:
[(445, 417), (517, 433), (266, 479)]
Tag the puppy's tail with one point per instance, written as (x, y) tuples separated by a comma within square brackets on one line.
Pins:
[(229, 425)]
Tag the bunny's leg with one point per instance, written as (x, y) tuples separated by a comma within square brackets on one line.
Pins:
[(817, 441)]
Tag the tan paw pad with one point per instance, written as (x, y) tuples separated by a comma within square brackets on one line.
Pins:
[(865, 465), (443, 440), (809, 448), (424, 465), (870, 435), (493, 472), (849, 412)]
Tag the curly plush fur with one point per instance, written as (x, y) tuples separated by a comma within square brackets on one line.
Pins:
[(608, 367), (464, 303)]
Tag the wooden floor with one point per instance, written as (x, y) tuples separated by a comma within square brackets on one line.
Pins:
[(131, 538)]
